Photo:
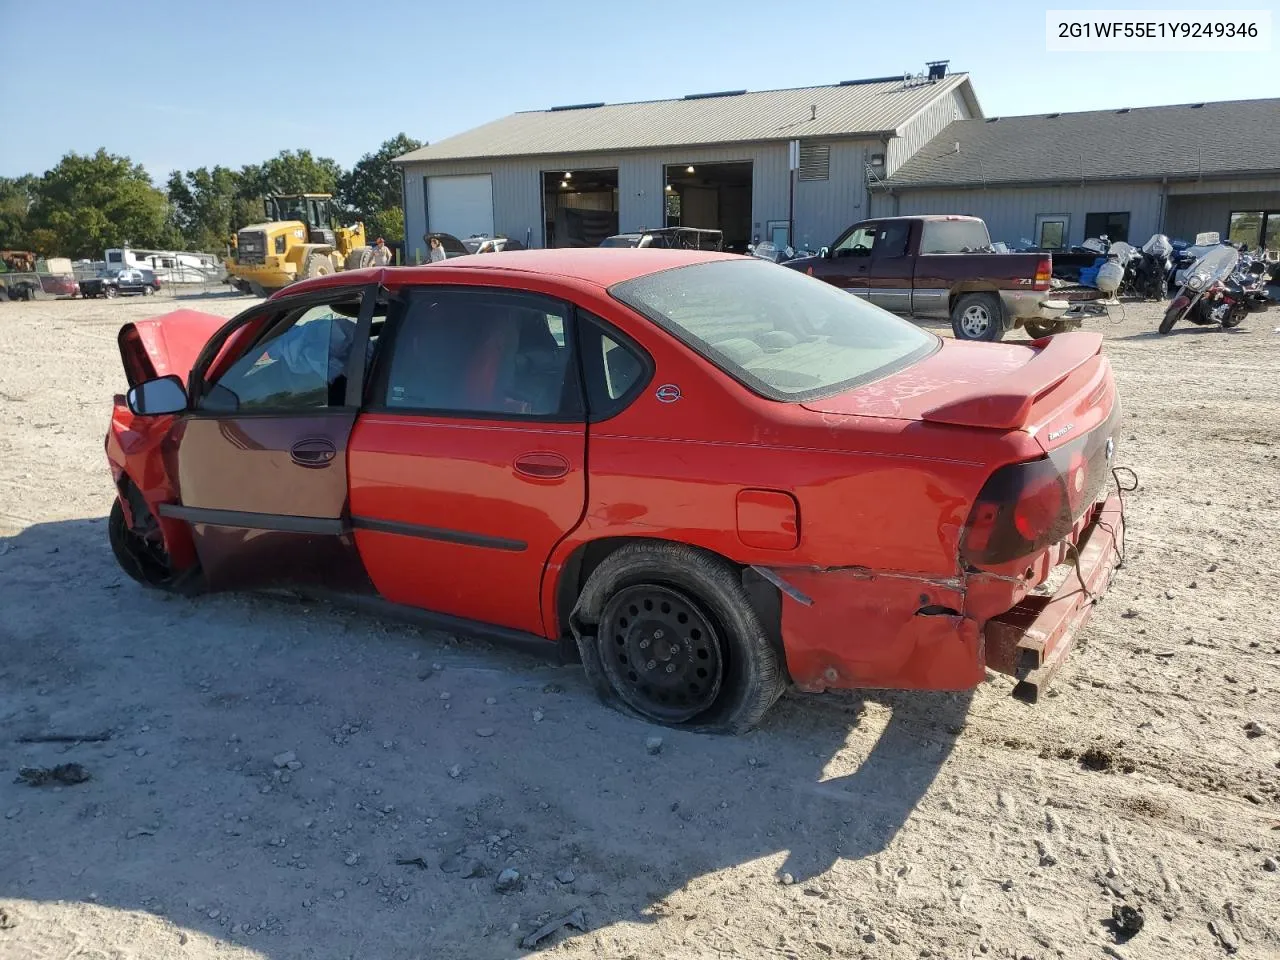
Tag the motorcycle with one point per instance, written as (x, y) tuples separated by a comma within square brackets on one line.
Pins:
[(1207, 296), (1149, 270)]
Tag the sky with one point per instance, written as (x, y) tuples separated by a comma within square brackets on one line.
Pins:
[(181, 84)]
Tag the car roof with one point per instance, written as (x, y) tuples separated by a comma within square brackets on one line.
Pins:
[(602, 266)]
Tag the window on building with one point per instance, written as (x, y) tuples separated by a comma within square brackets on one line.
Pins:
[(1256, 228), (1051, 231), (1113, 226), (815, 161)]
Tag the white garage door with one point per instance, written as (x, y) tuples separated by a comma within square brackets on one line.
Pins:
[(462, 206)]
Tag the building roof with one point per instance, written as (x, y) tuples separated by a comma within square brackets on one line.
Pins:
[(849, 109), (1187, 140)]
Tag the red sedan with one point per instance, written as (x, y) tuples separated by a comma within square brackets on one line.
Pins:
[(709, 475)]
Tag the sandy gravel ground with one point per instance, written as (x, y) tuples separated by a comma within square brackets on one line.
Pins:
[(884, 826)]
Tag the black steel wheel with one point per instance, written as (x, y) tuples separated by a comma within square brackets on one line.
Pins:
[(661, 652), (714, 667), (141, 557)]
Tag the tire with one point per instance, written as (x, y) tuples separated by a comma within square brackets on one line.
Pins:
[(257, 289), (137, 556), (1233, 318), (1042, 328), (1173, 314), (110, 292), (729, 672), (359, 258), (978, 316), (317, 265), (148, 291)]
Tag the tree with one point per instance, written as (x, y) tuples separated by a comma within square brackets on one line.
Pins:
[(88, 203), (290, 171), (16, 197), (207, 206), (373, 189)]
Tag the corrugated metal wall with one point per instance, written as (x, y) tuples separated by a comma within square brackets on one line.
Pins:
[(923, 128), (1011, 213), (822, 207), (1190, 215), (825, 207)]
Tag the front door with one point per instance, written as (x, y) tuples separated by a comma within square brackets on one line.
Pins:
[(469, 464), (848, 264), (262, 456), (889, 278)]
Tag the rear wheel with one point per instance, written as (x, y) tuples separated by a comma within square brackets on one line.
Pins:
[(359, 258), (668, 632), (110, 292), (141, 556), (978, 316)]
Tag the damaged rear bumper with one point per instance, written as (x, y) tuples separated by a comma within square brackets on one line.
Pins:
[(1031, 641), (855, 628)]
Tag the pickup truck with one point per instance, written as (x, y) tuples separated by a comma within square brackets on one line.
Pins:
[(940, 267), (121, 282)]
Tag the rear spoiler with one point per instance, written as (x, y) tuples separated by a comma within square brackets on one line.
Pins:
[(1005, 404)]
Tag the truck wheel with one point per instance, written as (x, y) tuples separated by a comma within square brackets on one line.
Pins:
[(110, 292), (359, 258), (668, 632), (978, 316), (317, 265)]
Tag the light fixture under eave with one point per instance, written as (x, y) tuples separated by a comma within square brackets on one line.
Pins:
[(669, 188), (568, 174), (564, 183), (688, 169)]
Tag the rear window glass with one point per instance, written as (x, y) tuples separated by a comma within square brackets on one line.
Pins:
[(954, 236), (781, 333)]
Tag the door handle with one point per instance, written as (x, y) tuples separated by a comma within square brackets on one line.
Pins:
[(313, 452), (542, 466)]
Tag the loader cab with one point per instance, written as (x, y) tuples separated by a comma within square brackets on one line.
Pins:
[(313, 209)]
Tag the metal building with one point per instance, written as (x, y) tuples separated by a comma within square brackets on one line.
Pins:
[(1055, 179), (794, 166)]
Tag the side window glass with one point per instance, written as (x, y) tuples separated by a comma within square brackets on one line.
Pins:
[(891, 240), (614, 371), (300, 365), (858, 243), (485, 353)]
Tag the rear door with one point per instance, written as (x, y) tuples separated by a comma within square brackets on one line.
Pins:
[(849, 263), (262, 455), (469, 464)]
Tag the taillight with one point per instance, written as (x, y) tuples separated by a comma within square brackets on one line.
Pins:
[(1044, 273), (1038, 508), (1021, 509)]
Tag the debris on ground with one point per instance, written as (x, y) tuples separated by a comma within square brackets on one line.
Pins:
[(1126, 921), (6, 922), (1097, 759), (508, 880), (412, 862), (66, 738), (484, 731), (1270, 865), (1254, 729), (566, 876), (577, 920), (1225, 937), (653, 746), (282, 760), (65, 774)]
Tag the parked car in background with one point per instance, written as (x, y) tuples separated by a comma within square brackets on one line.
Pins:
[(451, 245), (24, 276), (787, 484), (482, 244), (944, 267), (670, 238), (128, 282)]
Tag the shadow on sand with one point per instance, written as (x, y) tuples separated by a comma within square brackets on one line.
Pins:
[(188, 817)]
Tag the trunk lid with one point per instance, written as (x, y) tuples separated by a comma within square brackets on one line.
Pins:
[(1039, 387)]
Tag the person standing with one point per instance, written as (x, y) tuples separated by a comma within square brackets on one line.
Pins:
[(381, 253), (437, 250)]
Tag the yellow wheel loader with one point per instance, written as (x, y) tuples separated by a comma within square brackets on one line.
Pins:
[(299, 239)]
